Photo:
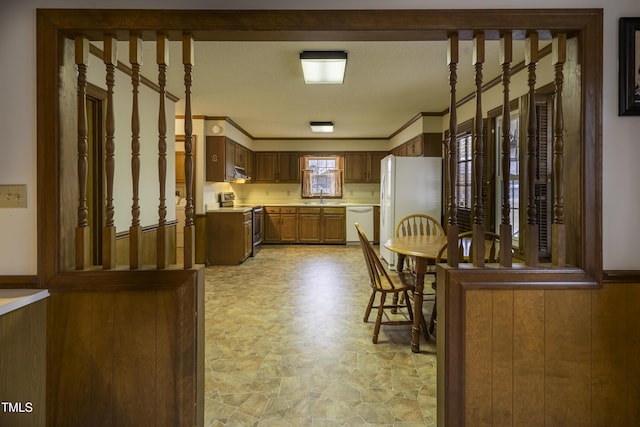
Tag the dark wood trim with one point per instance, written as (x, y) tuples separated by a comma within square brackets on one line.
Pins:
[(621, 276), (99, 280), (22, 282), (146, 229)]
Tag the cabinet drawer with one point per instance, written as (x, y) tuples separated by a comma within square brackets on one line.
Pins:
[(271, 209), (288, 210), (334, 211), (309, 210), (247, 216)]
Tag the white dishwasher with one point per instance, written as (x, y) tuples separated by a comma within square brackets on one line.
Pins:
[(363, 215)]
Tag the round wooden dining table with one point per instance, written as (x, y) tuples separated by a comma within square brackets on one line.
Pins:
[(423, 249)]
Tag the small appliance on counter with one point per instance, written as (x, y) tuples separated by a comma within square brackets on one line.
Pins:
[(226, 199)]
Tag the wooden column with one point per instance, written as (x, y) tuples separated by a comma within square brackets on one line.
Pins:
[(109, 232), (83, 249), (506, 230), (452, 161), (558, 236), (162, 240), (531, 232), (189, 228), (135, 231), (477, 254)]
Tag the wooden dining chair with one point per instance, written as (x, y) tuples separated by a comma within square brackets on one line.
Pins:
[(417, 225), (465, 246), (383, 283)]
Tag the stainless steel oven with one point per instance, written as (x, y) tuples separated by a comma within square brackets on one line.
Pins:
[(257, 229)]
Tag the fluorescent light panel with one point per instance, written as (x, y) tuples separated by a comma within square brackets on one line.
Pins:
[(322, 127), (323, 66)]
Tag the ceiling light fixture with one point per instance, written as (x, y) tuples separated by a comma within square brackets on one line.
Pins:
[(323, 127), (323, 66)]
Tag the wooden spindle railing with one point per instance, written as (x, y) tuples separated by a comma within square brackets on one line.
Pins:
[(558, 238), (531, 244), (162, 235), (477, 254), (506, 231), (109, 231), (189, 228), (135, 231), (82, 230), (452, 161)]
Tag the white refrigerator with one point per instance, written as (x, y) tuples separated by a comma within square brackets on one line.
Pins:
[(408, 185)]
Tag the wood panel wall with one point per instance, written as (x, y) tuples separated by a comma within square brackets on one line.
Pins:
[(23, 365), (539, 355), (149, 246), (125, 349)]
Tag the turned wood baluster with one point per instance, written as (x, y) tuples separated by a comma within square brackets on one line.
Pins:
[(506, 231), (162, 236), (531, 244), (477, 254), (109, 232), (559, 240), (135, 231), (189, 228), (452, 161), (83, 251)]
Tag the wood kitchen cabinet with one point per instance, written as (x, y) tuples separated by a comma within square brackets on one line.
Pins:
[(363, 166), (229, 236), (334, 223), (282, 166), (224, 155), (313, 224), (309, 225), (281, 224)]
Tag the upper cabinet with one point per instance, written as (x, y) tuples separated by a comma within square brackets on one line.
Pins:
[(423, 145), (281, 166), (224, 157), (362, 166)]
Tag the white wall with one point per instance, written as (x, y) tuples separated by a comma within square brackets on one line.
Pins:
[(621, 147), (149, 191)]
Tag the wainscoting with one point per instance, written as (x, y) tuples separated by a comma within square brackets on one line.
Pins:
[(525, 354)]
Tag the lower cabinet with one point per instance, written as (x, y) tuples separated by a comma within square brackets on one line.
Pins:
[(305, 224), (281, 224), (229, 237)]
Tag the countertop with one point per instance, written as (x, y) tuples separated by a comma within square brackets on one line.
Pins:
[(244, 207), (13, 299)]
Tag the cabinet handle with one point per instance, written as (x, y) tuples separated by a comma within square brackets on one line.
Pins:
[(214, 158)]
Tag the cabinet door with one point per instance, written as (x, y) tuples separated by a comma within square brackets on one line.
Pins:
[(248, 238), (288, 167), (309, 225), (414, 147), (374, 165), (241, 156), (355, 164), (230, 159), (334, 223), (288, 227), (272, 227), (215, 166), (265, 166)]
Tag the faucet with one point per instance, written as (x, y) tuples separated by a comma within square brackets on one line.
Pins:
[(321, 197)]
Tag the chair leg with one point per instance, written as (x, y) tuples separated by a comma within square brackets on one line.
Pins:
[(368, 310), (432, 321), (376, 329)]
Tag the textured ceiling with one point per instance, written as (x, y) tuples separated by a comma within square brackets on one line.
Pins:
[(259, 85)]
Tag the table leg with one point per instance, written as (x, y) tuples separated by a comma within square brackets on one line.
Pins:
[(421, 270)]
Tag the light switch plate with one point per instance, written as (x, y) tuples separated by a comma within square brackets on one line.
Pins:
[(13, 196)]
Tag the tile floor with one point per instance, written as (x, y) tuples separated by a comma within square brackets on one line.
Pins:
[(286, 345)]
